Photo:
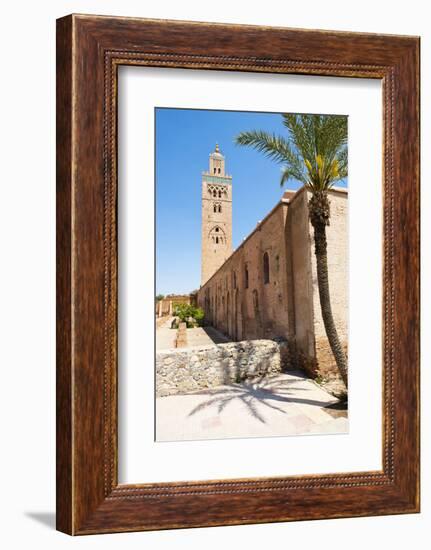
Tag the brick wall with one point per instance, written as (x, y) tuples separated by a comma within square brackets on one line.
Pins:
[(285, 304)]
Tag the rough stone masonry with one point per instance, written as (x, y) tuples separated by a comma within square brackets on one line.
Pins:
[(184, 370)]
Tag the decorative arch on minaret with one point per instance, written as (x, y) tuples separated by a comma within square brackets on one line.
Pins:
[(217, 235), (217, 190), (217, 208)]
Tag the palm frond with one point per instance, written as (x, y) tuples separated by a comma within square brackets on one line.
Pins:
[(343, 163), (314, 151), (276, 148), (286, 175)]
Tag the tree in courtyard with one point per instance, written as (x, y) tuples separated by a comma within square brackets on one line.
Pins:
[(185, 312), (314, 152), (159, 297)]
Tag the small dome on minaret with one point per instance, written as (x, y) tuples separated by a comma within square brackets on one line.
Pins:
[(217, 161), (216, 154)]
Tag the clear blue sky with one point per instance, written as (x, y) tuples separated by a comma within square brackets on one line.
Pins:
[(184, 140)]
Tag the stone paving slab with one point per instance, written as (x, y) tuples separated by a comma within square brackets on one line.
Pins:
[(165, 335), (281, 405), (204, 336), (196, 337)]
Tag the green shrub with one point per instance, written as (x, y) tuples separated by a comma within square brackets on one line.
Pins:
[(189, 314)]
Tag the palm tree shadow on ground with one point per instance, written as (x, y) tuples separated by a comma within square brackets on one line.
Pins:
[(253, 394)]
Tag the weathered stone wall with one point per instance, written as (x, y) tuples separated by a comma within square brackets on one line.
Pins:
[(337, 234), (244, 304), (182, 371), (298, 238), (237, 299), (167, 305)]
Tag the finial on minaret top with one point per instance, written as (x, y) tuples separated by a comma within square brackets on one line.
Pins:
[(217, 160), (216, 153)]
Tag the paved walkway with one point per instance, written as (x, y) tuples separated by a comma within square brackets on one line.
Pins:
[(285, 404), (204, 336), (165, 336)]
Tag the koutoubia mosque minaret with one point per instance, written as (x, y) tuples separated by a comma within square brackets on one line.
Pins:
[(216, 215)]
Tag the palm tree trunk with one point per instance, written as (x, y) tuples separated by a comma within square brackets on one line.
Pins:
[(325, 300)]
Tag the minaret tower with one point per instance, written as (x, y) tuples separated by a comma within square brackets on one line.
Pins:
[(216, 216)]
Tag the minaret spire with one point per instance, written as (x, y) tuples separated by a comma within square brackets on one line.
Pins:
[(216, 215)]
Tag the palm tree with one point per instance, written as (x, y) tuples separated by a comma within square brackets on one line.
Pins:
[(314, 152)]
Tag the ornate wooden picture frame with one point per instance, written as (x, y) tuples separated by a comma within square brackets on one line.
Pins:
[(89, 51)]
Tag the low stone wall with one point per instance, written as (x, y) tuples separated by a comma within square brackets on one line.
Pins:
[(181, 339), (186, 370)]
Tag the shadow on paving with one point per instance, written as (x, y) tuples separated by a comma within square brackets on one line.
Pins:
[(256, 393), (216, 336)]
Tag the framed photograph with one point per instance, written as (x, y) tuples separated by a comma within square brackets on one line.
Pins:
[(237, 274)]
